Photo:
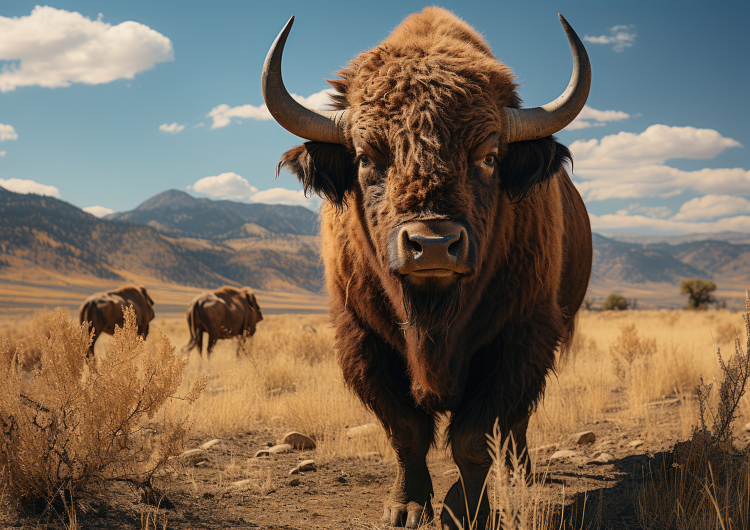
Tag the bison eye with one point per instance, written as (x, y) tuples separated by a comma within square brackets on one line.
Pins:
[(364, 161), (489, 160)]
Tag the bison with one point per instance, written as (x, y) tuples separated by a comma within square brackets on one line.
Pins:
[(456, 248), (225, 313), (105, 310)]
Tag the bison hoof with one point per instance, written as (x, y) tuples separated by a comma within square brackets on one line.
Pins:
[(453, 514), (410, 515)]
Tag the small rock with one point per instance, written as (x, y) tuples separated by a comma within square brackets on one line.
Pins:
[(294, 482), (275, 450), (747, 427), (564, 454), (601, 459), (209, 444), (636, 443), (241, 483), (305, 465), (190, 452), (585, 437), (363, 430), (298, 440), (544, 449), (452, 471)]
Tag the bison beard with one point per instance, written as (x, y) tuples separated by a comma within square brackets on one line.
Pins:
[(430, 310)]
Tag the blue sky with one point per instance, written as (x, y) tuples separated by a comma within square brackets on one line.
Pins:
[(106, 103)]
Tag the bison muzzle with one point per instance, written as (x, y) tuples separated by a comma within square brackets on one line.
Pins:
[(457, 249)]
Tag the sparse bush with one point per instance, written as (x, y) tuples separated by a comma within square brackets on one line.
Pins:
[(588, 303), (628, 348), (615, 302), (699, 293), (725, 333), (66, 427)]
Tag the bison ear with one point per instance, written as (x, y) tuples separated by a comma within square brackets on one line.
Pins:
[(326, 169), (527, 165), (145, 294)]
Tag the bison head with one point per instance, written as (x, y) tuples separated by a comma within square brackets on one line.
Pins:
[(427, 145)]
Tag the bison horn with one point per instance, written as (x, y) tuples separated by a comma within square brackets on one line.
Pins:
[(531, 124), (317, 125)]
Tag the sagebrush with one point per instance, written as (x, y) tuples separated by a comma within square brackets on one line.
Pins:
[(68, 425)]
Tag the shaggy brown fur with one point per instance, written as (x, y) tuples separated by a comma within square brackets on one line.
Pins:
[(424, 142), (104, 310), (223, 314)]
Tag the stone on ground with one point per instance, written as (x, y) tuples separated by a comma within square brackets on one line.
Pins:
[(298, 440)]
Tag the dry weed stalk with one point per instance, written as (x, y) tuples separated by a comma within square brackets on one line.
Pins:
[(65, 426)]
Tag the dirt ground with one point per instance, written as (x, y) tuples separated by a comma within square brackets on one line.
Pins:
[(200, 491)]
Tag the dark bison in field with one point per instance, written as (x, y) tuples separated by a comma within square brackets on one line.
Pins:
[(225, 313), (457, 250), (105, 310)]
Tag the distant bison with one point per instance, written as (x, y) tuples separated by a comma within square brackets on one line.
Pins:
[(225, 313), (104, 310), (456, 248)]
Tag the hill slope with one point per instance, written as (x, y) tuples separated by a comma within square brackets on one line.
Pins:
[(176, 213), (49, 234)]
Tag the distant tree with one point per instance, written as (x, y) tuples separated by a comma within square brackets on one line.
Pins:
[(699, 293), (615, 302), (588, 303)]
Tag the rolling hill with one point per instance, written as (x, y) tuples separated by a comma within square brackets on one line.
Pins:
[(39, 232), (178, 239)]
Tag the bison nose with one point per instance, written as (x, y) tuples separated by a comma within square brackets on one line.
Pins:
[(436, 248)]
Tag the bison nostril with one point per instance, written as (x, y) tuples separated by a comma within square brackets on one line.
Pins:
[(454, 249), (414, 247)]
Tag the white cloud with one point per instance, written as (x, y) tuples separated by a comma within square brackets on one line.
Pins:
[(650, 211), (3, 153), (233, 186), (29, 186), (286, 196), (54, 48), (226, 186), (711, 207), (98, 211), (628, 165), (621, 37), (223, 114), (655, 145), (740, 223), (172, 128), (589, 117), (7, 132)]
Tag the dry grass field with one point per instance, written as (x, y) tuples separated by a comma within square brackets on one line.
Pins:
[(630, 378)]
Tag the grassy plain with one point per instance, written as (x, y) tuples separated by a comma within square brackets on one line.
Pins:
[(629, 376)]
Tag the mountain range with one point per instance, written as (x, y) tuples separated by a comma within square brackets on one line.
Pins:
[(177, 238)]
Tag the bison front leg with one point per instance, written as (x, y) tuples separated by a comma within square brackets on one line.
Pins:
[(503, 385), (470, 452), (377, 375), (409, 503)]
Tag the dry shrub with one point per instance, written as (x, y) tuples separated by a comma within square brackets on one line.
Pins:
[(708, 483), (629, 348), (725, 333), (21, 340), (65, 427)]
